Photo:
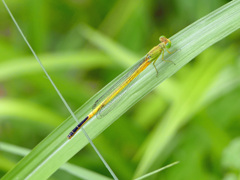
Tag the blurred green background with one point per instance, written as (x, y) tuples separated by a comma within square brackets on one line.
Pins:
[(207, 139)]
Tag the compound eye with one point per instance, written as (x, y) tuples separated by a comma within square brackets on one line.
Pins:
[(162, 38), (168, 45)]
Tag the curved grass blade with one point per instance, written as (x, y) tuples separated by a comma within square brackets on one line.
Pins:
[(69, 168)]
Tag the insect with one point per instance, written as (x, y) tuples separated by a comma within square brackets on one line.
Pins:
[(104, 101)]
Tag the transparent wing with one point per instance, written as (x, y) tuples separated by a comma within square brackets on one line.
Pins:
[(104, 110), (115, 101)]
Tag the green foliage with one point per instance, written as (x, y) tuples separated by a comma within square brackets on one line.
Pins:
[(193, 117)]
